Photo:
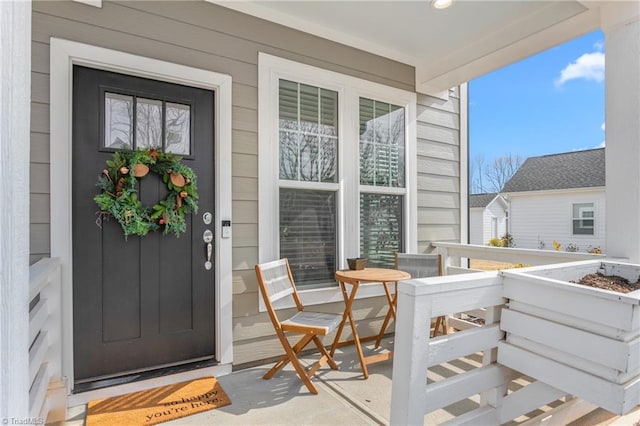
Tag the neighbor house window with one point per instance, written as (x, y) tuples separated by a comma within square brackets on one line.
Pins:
[(583, 219), (333, 153)]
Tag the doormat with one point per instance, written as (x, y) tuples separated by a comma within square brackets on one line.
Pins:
[(158, 405)]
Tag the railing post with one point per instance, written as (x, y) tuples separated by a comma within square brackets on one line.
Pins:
[(51, 292), (57, 390), (446, 259), (411, 354), (492, 397), (15, 72)]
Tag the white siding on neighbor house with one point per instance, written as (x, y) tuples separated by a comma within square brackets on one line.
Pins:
[(547, 216), (495, 210), (476, 226), (211, 37)]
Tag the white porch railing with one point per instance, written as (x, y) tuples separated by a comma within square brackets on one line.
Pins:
[(413, 397), (47, 395), (452, 253)]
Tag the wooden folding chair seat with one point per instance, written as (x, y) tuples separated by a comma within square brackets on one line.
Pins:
[(422, 265), (276, 282)]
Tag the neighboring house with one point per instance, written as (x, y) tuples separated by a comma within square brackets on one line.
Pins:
[(488, 217), (559, 197), (314, 135)]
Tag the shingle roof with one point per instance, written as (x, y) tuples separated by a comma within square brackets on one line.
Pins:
[(578, 169), (481, 200)]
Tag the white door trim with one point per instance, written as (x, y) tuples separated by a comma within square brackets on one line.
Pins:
[(65, 54)]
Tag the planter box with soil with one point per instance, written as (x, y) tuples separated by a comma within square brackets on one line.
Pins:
[(578, 338)]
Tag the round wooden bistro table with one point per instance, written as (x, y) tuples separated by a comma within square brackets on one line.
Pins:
[(355, 278)]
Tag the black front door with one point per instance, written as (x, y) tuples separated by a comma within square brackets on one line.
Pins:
[(146, 302)]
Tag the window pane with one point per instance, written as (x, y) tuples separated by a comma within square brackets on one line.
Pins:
[(288, 104), (308, 234), (382, 122), (148, 123), (328, 112), (397, 142), (308, 133), (583, 222), (382, 141), (309, 109), (328, 159), (289, 155), (309, 148), (583, 227), (118, 121), (579, 210), (380, 228), (178, 129)]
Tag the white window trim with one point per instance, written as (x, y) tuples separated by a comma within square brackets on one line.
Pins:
[(573, 219), (64, 54), (270, 70)]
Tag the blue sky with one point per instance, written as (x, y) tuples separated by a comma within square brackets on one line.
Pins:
[(548, 103)]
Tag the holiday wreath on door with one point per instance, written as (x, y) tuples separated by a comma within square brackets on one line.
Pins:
[(119, 199)]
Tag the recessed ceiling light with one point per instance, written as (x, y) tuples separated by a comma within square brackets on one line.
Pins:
[(441, 4)]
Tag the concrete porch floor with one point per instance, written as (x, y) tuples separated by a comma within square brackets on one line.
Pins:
[(344, 397)]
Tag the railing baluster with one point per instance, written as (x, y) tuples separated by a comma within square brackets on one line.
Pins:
[(48, 392)]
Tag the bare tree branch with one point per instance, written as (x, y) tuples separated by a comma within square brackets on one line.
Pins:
[(476, 172), (501, 170)]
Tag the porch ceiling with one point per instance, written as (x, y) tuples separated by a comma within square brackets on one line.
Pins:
[(447, 47)]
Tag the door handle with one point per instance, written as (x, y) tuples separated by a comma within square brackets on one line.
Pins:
[(207, 237), (208, 265)]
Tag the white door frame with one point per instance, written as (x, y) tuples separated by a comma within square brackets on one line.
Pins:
[(65, 54)]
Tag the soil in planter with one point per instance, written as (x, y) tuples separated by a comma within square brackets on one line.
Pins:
[(608, 282)]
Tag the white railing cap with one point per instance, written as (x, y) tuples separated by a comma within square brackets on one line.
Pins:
[(449, 283)]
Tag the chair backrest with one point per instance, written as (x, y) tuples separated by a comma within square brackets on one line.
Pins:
[(274, 277), (419, 265)]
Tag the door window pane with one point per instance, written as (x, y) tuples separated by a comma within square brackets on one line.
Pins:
[(178, 129), (118, 121), (148, 123), (308, 118), (308, 230), (380, 228), (382, 144)]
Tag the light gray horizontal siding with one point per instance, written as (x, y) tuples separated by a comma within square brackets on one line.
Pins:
[(39, 208), (438, 164), (207, 36)]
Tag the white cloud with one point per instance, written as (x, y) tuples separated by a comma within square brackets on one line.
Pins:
[(602, 127), (599, 45), (589, 66), (602, 144)]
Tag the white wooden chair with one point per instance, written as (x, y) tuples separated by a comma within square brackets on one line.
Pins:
[(276, 281), (422, 266)]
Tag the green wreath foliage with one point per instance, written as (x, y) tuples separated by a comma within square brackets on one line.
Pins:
[(119, 198)]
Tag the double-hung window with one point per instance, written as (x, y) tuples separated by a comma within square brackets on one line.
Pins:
[(336, 170), (308, 180), (583, 219), (382, 180)]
